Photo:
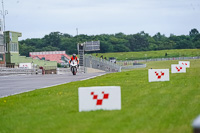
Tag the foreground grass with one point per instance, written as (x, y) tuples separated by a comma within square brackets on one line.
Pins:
[(152, 54), (158, 107)]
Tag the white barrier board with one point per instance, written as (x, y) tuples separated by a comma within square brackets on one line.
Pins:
[(158, 75), (184, 63), (25, 65), (97, 98), (176, 68)]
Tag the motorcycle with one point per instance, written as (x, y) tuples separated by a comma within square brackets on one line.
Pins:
[(73, 66)]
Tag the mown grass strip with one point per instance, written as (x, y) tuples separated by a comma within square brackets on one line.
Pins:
[(146, 107), (151, 54)]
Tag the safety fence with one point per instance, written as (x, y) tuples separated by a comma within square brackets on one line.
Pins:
[(97, 63), (2, 65), (131, 62), (49, 67), (63, 70), (17, 71), (134, 66)]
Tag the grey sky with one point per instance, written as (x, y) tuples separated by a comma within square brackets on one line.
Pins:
[(36, 18)]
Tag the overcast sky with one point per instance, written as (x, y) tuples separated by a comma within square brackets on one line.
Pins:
[(36, 18)]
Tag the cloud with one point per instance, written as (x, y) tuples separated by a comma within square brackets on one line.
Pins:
[(37, 18)]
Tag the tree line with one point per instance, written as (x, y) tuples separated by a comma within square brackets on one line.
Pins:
[(118, 42)]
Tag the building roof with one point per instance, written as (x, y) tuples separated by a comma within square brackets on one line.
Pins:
[(50, 55)]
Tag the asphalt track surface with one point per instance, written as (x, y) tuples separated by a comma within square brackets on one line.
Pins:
[(16, 84)]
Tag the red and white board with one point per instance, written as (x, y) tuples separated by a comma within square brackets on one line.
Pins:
[(184, 63), (158, 75), (99, 98), (177, 68), (25, 65)]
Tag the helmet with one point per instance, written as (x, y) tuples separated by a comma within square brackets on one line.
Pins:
[(74, 55)]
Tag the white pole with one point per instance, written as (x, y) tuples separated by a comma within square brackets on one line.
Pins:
[(4, 13)]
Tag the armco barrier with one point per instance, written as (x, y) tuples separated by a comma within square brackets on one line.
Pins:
[(16, 71), (130, 62), (98, 63), (63, 70), (134, 66), (2, 65)]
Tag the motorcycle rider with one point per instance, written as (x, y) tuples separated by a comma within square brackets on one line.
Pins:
[(74, 57)]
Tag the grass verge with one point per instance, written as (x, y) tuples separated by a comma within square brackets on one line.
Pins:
[(151, 54), (157, 107)]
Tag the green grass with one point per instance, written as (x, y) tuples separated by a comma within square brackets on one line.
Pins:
[(152, 54), (157, 107)]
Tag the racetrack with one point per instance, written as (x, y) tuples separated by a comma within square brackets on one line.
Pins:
[(11, 85)]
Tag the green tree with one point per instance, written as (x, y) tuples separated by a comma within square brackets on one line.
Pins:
[(50, 48), (193, 32), (185, 44), (105, 47), (53, 39), (196, 41), (25, 49), (118, 42), (197, 44), (138, 42), (121, 48), (69, 45)]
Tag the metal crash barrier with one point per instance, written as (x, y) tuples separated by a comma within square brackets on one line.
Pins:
[(134, 66), (130, 62), (98, 63), (13, 71)]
